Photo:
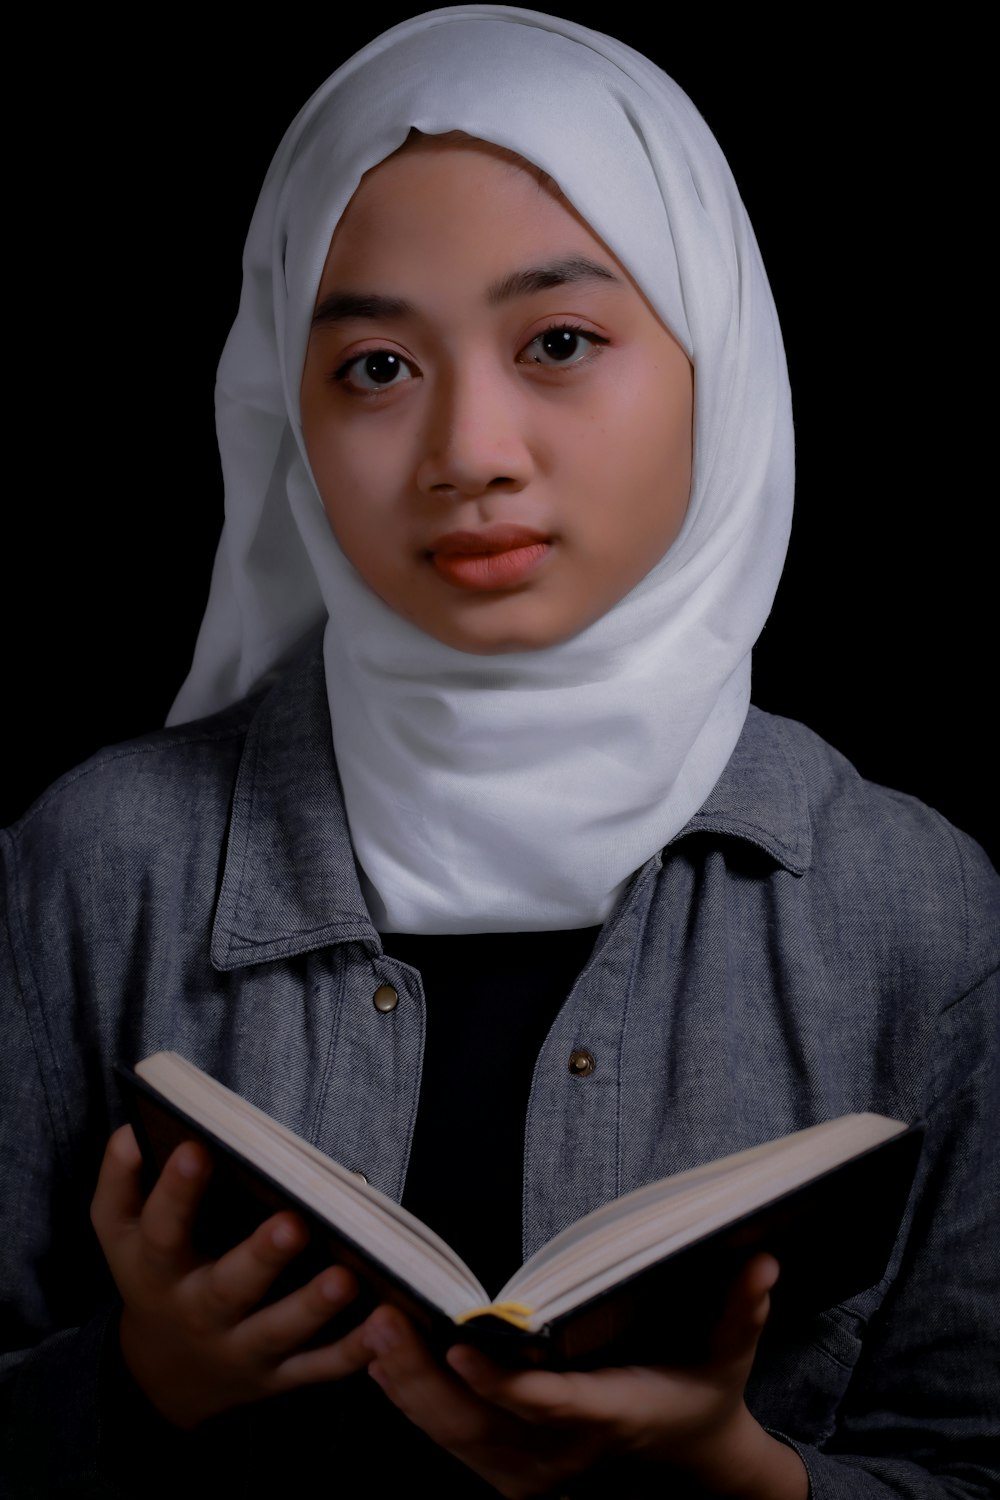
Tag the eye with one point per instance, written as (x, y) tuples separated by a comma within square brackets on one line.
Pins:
[(375, 370), (561, 345)]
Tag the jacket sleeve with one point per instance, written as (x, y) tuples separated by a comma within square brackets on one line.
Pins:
[(71, 1420), (57, 1304), (59, 1311), (919, 1419)]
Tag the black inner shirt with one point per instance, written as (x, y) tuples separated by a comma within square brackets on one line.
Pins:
[(490, 999)]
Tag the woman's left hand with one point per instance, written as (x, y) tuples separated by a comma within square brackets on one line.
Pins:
[(533, 1432)]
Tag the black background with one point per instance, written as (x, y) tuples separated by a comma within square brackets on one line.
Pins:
[(135, 178)]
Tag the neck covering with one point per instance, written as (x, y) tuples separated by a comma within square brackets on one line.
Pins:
[(518, 791)]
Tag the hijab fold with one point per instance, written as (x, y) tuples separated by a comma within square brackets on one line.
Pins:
[(512, 792)]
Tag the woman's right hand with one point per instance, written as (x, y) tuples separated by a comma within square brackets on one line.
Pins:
[(193, 1333)]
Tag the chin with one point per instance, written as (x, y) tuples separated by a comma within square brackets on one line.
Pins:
[(487, 639), (494, 624)]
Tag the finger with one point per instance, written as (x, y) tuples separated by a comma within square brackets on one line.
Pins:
[(526, 1392), (118, 1197), (513, 1457), (240, 1279), (549, 1397), (330, 1294), (168, 1214), (425, 1391), (745, 1311)]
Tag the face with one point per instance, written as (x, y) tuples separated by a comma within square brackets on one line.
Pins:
[(498, 423)]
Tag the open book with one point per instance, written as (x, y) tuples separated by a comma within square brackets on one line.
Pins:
[(639, 1278)]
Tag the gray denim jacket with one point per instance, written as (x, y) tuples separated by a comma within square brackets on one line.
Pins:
[(808, 945)]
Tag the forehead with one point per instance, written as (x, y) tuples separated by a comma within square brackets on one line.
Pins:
[(455, 201)]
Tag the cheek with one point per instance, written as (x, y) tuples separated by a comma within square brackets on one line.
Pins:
[(636, 458), (661, 456), (356, 481)]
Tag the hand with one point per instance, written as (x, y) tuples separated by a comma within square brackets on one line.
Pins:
[(531, 1432), (192, 1333)]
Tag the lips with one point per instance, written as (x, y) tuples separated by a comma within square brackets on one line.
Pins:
[(498, 557)]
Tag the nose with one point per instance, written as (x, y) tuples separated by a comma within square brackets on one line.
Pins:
[(475, 441)]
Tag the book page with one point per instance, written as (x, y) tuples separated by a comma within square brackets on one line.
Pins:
[(633, 1231), (388, 1232)]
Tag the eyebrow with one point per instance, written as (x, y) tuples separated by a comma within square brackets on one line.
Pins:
[(341, 307), (573, 268)]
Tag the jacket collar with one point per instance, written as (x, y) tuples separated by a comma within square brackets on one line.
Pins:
[(761, 796), (290, 884)]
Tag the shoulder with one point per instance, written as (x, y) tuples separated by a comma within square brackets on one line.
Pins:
[(881, 862), (174, 788), (106, 876), (152, 791), (877, 823), (131, 850), (106, 883), (856, 880)]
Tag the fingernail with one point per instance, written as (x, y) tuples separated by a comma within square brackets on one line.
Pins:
[(127, 1147), (465, 1362), (188, 1162), (284, 1235), (382, 1337), (332, 1288)]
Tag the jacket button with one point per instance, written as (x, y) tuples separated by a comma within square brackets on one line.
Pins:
[(356, 1173), (582, 1062), (385, 998)]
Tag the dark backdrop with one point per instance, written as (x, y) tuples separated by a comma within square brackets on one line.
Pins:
[(127, 249)]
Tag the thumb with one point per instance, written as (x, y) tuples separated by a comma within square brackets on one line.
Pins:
[(745, 1311), (118, 1198)]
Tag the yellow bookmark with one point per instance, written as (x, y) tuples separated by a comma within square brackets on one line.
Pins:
[(511, 1312)]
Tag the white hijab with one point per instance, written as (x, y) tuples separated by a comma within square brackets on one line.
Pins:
[(516, 792)]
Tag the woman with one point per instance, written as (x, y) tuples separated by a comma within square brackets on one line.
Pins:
[(530, 709)]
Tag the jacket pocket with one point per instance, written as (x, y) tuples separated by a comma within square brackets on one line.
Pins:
[(803, 1369)]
